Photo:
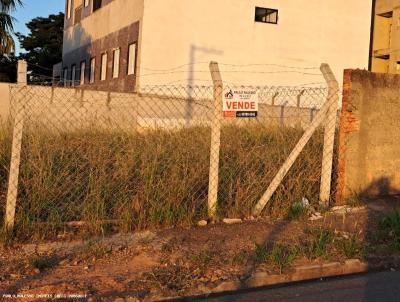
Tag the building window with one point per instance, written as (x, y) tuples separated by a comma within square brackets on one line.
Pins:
[(65, 76), (86, 3), (103, 71), (69, 8), (96, 5), (73, 75), (132, 59), (266, 15), (82, 73), (116, 55), (92, 69)]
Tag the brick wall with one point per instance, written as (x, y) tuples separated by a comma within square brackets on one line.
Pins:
[(121, 39), (369, 148)]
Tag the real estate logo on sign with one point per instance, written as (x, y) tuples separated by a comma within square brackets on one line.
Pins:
[(240, 103)]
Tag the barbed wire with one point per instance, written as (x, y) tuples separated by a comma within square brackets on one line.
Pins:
[(230, 64), (39, 66), (177, 68)]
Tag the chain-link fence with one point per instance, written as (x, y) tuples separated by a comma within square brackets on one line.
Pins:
[(5, 155), (124, 161)]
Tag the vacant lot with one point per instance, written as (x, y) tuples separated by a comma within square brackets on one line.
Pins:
[(118, 181)]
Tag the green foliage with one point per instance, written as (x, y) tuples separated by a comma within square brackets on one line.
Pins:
[(7, 45), (355, 200), (279, 255), (94, 248), (283, 256), (43, 44), (389, 228), (318, 246), (351, 247), (296, 211), (203, 257), (8, 68), (260, 253), (240, 258), (6, 237), (43, 262)]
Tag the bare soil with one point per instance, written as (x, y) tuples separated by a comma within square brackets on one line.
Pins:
[(173, 262)]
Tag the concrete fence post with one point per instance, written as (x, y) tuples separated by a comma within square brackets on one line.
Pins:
[(215, 140), (329, 134), (317, 121), (12, 191), (22, 70)]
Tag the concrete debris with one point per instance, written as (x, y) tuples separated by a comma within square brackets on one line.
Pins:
[(232, 220), (305, 203), (316, 216), (346, 209), (202, 223)]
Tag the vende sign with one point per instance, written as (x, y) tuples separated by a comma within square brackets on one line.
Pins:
[(240, 103)]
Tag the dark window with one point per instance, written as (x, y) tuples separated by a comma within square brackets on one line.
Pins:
[(266, 15), (97, 5)]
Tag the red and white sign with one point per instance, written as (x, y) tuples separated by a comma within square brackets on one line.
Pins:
[(240, 103)]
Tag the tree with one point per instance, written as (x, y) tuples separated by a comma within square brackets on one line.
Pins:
[(43, 45), (7, 44), (8, 68)]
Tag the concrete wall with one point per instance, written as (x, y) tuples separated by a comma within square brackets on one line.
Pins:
[(369, 151), (180, 32), (86, 11), (386, 37), (309, 32), (384, 6), (382, 32), (65, 109), (4, 101)]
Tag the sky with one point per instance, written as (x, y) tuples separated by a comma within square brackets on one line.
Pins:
[(33, 9)]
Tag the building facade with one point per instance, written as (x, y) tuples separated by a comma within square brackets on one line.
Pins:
[(123, 45), (385, 51)]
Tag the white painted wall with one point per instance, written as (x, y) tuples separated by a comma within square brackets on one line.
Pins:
[(177, 32)]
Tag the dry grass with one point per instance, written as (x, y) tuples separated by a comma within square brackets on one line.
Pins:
[(151, 179), (5, 153)]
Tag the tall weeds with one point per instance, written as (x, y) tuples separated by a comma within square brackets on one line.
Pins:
[(150, 179)]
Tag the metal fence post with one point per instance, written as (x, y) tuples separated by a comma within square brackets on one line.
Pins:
[(215, 140), (329, 134), (16, 149)]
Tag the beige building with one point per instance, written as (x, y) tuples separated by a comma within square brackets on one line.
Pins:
[(126, 44), (385, 55)]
